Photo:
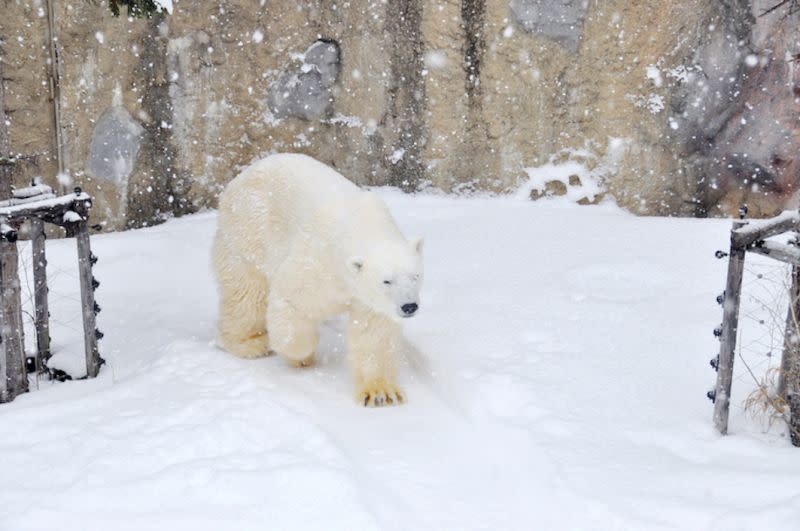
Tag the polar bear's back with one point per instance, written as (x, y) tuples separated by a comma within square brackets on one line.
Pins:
[(301, 177), (276, 198)]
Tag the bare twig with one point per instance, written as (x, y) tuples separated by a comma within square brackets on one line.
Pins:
[(793, 7)]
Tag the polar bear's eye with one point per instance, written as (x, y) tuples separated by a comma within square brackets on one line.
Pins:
[(387, 282)]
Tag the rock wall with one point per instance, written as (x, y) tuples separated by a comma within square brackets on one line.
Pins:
[(680, 107), (25, 53)]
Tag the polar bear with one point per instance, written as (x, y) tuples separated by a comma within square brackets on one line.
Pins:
[(297, 244)]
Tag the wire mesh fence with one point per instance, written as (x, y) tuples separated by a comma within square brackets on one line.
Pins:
[(760, 341), (64, 301)]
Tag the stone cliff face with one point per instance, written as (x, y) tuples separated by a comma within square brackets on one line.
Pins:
[(682, 107), (25, 54), (751, 153)]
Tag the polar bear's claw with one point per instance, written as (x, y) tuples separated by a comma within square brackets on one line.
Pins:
[(380, 394), (303, 363)]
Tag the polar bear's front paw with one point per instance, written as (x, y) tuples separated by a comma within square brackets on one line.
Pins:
[(379, 393), (303, 363), (252, 347)]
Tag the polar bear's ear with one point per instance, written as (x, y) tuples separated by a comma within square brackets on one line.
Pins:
[(417, 244), (355, 263)]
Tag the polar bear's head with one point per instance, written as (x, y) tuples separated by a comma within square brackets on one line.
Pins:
[(388, 278)]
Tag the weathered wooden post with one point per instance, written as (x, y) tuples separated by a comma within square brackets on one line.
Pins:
[(4, 379), (791, 334), (41, 311), (11, 313), (5, 177), (730, 325), (792, 375), (88, 284), (789, 378)]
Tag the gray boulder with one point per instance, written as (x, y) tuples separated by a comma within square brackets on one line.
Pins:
[(560, 20), (306, 92), (114, 146)]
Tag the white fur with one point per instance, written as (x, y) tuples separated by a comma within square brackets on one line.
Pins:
[(297, 244)]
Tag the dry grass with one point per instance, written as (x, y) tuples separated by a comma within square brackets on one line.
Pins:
[(765, 403)]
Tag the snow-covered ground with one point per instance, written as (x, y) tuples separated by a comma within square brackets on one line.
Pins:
[(563, 387)]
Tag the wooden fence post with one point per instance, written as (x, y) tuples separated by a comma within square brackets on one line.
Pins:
[(791, 334), (42, 315), (730, 325), (789, 377), (793, 398), (11, 319), (88, 285), (5, 396), (7, 366)]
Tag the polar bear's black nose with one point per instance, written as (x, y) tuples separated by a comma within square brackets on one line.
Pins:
[(410, 308)]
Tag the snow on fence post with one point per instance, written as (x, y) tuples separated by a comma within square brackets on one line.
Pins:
[(41, 314), (730, 324)]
